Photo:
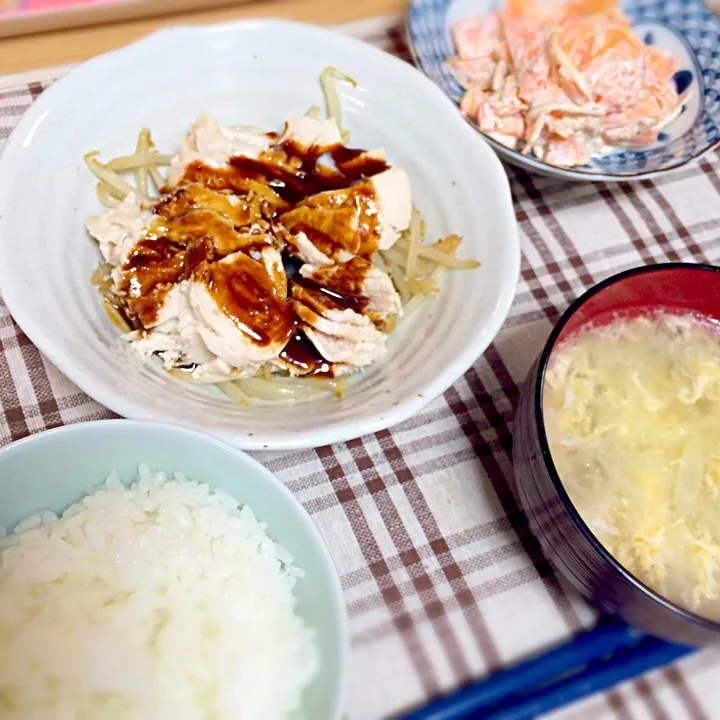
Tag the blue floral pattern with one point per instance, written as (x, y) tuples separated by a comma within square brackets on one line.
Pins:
[(686, 28)]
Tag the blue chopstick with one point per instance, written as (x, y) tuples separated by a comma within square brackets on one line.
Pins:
[(647, 655), (608, 638)]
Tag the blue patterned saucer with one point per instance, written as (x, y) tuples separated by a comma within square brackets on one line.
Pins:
[(685, 28)]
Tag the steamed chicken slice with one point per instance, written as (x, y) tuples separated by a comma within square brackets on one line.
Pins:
[(340, 334), (392, 189), (202, 223), (366, 217), (300, 246), (309, 132), (213, 144), (229, 319), (175, 336), (233, 222), (243, 316), (240, 212), (117, 230), (359, 283), (202, 272)]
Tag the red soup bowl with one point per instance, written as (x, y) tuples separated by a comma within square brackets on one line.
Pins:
[(566, 539)]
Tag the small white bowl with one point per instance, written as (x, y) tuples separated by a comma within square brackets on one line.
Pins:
[(256, 73), (54, 469)]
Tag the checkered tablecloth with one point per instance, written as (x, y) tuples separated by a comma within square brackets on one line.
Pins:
[(442, 579)]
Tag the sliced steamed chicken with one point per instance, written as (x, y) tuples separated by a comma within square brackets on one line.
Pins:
[(310, 132), (338, 307), (361, 284), (340, 334), (173, 332), (241, 309), (175, 336), (214, 144), (229, 319), (117, 230), (368, 216), (202, 272)]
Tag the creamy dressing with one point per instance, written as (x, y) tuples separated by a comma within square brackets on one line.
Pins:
[(566, 81)]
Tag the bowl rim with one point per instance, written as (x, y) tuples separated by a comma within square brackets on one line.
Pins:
[(568, 505), (311, 529), (527, 162)]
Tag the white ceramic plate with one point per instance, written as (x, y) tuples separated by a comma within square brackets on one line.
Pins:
[(255, 73)]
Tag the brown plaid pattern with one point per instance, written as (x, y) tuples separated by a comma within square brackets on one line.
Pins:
[(442, 579)]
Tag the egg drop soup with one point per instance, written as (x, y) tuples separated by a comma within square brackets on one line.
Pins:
[(632, 414)]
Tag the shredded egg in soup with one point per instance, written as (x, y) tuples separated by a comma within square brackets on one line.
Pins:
[(632, 413)]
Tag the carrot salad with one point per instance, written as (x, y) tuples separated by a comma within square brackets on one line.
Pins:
[(565, 82)]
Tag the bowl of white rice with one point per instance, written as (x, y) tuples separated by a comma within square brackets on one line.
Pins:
[(151, 572)]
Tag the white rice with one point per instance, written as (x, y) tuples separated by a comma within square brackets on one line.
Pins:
[(163, 600)]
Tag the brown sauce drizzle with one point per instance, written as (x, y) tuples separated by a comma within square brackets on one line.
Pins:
[(346, 279), (154, 265), (197, 253), (334, 300), (242, 288), (198, 224), (226, 179), (296, 181), (192, 196), (321, 240), (341, 286), (303, 355), (340, 219)]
